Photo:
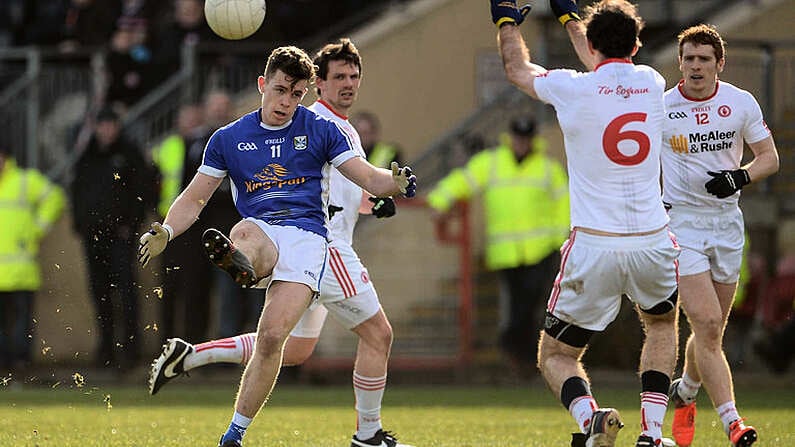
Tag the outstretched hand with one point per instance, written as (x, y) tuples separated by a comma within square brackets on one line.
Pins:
[(506, 11), (153, 242), (565, 10), (405, 179)]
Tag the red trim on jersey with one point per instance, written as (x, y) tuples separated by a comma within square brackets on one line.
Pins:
[(611, 60), (682, 92), (226, 343), (328, 106), (553, 299), (341, 273)]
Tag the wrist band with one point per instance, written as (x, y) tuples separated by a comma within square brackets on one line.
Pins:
[(568, 17), (169, 230), (505, 20)]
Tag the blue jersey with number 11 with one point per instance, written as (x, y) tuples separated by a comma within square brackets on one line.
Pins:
[(279, 174)]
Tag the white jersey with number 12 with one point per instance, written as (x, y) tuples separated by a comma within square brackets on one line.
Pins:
[(706, 135)]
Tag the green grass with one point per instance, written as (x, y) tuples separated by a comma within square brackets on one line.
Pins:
[(191, 414)]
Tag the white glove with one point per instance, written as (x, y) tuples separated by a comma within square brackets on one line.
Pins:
[(405, 179), (153, 242)]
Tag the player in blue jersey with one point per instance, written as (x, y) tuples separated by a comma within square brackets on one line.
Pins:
[(277, 159)]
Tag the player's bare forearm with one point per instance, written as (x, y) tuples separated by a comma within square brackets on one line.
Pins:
[(579, 41), (516, 59), (765, 162), (376, 181), (186, 208)]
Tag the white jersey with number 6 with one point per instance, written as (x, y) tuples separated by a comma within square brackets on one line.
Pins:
[(612, 120), (706, 135)]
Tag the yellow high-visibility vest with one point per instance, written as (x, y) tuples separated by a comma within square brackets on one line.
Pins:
[(526, 204), (29, 205), (382, 155), (170, 160)]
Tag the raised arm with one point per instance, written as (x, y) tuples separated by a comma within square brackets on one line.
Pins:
[(568, 15), (515, 55)]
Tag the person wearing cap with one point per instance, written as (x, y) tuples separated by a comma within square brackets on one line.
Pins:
[(526, 206), (30, 204), (111, 193)]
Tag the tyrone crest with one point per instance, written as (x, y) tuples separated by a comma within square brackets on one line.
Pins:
[(299, 142)]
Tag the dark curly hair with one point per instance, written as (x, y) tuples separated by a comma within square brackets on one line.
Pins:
[(292, 61), (613, 27)]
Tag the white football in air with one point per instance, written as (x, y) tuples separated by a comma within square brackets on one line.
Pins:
[(234, 19)]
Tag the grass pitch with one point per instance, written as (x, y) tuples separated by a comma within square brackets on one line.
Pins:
[(192, 414)]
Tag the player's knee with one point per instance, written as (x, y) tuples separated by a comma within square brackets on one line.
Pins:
[(567, 333), (269, 342), (707, 329), (381, 338)]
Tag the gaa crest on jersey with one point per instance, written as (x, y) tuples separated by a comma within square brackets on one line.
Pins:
[(300, 142)]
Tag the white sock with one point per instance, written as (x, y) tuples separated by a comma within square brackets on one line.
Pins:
[(369, 392), (236, 349), (241, 420), (582, 409), (728, 414), (688, 388), (652, 413)]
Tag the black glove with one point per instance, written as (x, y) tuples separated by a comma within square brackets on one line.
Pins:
[(506, 11), (565, 10), (383, 206), (726, 182)]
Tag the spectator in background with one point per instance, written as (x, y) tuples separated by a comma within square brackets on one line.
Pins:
[(186, 285), (778, 317), (187, 26), (130, 71), (29, 205), (111, 193), (379, 153), (526, 206), (239, 308), (72, 24)]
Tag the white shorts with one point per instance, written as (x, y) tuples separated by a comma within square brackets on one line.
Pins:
[(596, 270), (302, 254), (346, 292), (711, 240)]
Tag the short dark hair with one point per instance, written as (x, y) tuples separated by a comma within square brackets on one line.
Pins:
[(292, 61), (613, 27), (703, 35), (342, 50)]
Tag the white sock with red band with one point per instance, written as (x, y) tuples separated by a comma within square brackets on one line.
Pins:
[(652, 413), (582, 410), (369, 392), (226, 350)]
